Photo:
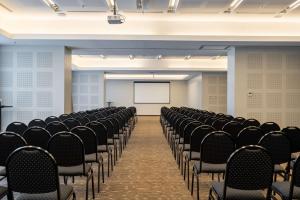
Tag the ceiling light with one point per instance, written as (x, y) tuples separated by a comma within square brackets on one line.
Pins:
[(146, 76), (291, 7), (173, 4), (102, 56), (52, 5), (170, 76), (5, 7), (131, 57), (159, 57), (187, 57), (234, 4), (294, 5)]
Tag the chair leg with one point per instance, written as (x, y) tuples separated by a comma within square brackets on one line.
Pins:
[(102, 172), (197, 187), (108, 164), (188, 173), (93, 185), (74, 196), (184, 170), (112, 161), (87, 188), (192, 186), (99, 176)]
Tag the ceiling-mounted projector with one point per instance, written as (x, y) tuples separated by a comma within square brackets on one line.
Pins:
[(115, 18)]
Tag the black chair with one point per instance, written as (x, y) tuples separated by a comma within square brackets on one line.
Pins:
[(249, 136), (233, 128), (89, 139), (37, 136), (251, 122), (32, 172), (56, 127), (215, 150), (278, 145), (68, 151), (293, 133), (289, 190), (16, 127), (37, 122), (219, 123), (50, 119), (249, 171), (71, 123), (102, 142), (63, 117), (239, 119), (269, 126), (83, 120), (9, 142), (3, 192), (194, 152)]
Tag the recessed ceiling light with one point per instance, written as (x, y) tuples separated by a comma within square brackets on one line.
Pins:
[(291, 7), (159, 57), (52, 5), (5, 7), (102, 56), (234, 4), (131, 57), (146, 76), (187, 57), (173, 4)]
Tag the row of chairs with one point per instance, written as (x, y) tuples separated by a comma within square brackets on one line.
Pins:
[(209, 139), (39, 155)]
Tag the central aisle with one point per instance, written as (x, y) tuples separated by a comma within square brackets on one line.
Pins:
[(147, 169)]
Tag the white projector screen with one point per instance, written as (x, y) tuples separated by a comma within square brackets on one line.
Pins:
[(151, 92)]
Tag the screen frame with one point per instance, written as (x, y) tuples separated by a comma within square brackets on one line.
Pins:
[(134, 82)]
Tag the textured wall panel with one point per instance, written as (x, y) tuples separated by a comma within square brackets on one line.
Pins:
[(6, 79), (274, 61), (292, 118), (223, 100), (44, 79), (254, 61), (255, 81), (293, 81), (274, 81), (293, 100), (212, 90), (43, 114), (7, 118), (84, 78), (24, 116), (94, 78), (223, 89), (24, 59), (6, 60), (44, 99), (94, 100), (84, 99), (213, 80), (292, 62), (255, 115), (94, 89), (24, 99), (7, 97), (274, 117), (24, 79), (212, 100), (255, 101), (84, 89), (45, 59), (274, 100)]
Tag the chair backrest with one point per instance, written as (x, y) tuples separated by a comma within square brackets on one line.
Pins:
[(17, 127), (233, 128), (278, 145), (32, 170), (9, 142), (239, 119), (71, 123), (188, 130), (219, 123), (101, 132), (63, 117), (50, 119), (37, 136), (37, 122), (293, 133), (67, 149), (88, 137), (83, 120), (216, 147), (109, 127), (249, 136), (56, 127), (269, 126), (197, 136), (295, 181), (251, 122), (249, 168), (210, 120)]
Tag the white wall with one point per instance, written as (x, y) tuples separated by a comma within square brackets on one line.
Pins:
[(267, 84), (32, 81), (120, 92), (195, 92), (88, 90)]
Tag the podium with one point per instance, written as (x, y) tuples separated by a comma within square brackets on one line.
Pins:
[(109, 103), (2, 106)]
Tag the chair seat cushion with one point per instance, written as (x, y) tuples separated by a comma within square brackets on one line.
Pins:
[(2, 171), (283, 188), (3, 191), (93, 157), (278, 169), (65, 193), (235, 194), (186, 147), (74, 170), (209, 167), (194, 155)]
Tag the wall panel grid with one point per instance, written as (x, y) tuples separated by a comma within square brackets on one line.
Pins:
[(272, 86), (86, 92), (26, 82)]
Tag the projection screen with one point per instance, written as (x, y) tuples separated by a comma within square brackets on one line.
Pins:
[(152, 92)]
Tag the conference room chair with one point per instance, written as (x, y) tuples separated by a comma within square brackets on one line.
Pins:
[(3, 192), (239, 119), (17, 127), (92, 117), (215, 150), (228, 117), (248, 175), (210, 120), (118, 136), (219, 115), (83, 120), (293, 133), (50, 119), (89, 139), (251, 122), (289, 190), (37, 136), (69, 153), (178, 139), (249, 136), (102, 142), (9, 142), (32, 173), (269, 126), (71, 123), (233, 128), (63, 117), (37, 122), (194, 152), (278, 145), (219, 123), (56, 127)]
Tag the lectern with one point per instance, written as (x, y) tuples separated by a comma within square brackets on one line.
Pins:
[(2, 106), (109, 103)]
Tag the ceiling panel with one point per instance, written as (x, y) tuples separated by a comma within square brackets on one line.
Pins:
[(82, 5), (148, 5), (203, 6), (26, 6), (263, 6)]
